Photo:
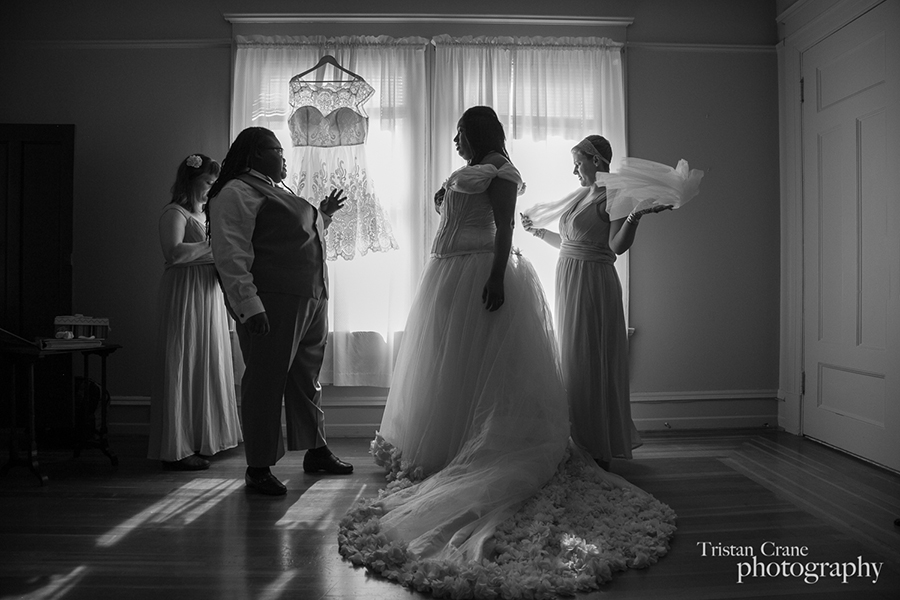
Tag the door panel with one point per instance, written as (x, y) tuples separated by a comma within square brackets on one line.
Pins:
[(851, 215)]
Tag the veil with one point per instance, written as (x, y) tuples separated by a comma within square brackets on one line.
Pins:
[(640, 184), (548, 213)]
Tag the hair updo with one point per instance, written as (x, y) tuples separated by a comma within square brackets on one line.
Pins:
[(595, 145), (483, 132), (189, 170)]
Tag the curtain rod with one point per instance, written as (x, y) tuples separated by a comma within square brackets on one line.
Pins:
[(418, 18)]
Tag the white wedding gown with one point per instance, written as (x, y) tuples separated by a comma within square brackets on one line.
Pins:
[(475, 435), (476, 403)]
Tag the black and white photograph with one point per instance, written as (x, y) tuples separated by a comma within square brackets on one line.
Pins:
[(590, 299)]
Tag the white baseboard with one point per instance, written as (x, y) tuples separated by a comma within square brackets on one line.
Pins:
[(704, 396), (670, 423), (356, 412)]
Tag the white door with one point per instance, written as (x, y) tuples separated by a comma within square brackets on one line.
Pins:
[(851, 237)]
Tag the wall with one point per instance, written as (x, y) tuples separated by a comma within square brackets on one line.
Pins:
[(704, 282), (148, 84)]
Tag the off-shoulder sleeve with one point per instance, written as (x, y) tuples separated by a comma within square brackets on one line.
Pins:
[(476, 178)]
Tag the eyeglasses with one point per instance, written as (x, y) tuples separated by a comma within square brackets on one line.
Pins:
[(277, 149)]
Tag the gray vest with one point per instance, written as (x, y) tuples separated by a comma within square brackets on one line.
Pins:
[(288, 244)]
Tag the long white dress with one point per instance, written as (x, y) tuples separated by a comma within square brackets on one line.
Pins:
[(476, 425), (476, 402), (193, 406)]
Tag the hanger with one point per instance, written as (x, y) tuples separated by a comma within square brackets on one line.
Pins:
[(329, 60)]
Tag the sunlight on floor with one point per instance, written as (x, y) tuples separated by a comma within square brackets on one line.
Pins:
[(59, 586), (181, 507), (317, 508), (276, 588)]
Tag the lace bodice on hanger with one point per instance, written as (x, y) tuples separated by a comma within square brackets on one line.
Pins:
[(329, 114)]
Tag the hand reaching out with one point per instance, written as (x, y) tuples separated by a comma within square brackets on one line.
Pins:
[(636, 215), (526, 223), (528, 226), (333, 203), (655, 209)]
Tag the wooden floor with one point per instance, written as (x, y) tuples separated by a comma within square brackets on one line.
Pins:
[(137, 531)]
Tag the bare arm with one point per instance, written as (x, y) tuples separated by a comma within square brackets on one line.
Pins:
[(171, 238), (502, 196), (622, 231), (548, 236)]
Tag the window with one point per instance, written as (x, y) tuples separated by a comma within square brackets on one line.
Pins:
[(549, 93)]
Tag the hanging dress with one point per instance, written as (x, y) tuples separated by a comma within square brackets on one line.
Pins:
[(328, 132)]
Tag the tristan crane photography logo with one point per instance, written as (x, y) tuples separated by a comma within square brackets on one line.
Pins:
[(776, 560)]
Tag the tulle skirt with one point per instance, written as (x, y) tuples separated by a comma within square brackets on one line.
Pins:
[(193, 407), (476, 407), (593, 343)]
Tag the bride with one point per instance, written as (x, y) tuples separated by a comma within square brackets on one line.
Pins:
[(476, 421), (476, 404)]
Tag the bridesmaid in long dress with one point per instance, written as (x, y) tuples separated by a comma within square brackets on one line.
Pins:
[(590, 317), (193, 411)]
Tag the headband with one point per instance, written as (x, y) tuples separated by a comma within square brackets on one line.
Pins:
[(588, 149)]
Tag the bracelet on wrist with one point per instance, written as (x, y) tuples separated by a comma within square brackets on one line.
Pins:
[(539, 233)]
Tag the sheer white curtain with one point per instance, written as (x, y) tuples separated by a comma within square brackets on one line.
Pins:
[(370, 295), (549, 94)]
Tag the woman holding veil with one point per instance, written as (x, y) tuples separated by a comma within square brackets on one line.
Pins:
[(597, 222)]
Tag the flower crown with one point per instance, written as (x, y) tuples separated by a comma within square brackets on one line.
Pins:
[(194, 161)]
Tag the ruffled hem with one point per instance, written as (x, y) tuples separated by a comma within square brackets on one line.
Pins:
[(389, 457), (579, 529)]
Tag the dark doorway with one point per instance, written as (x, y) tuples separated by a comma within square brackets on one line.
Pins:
[(36, 198)]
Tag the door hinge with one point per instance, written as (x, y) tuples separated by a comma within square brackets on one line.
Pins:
[(801, 90), (802, 383)]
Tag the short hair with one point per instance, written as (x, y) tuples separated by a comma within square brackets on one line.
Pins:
[(189, 170), (484, 132)]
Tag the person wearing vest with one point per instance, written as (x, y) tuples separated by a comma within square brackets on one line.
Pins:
[(269, 249)]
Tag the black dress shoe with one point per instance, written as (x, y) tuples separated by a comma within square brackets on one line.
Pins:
[(328, 463), (265, 483)]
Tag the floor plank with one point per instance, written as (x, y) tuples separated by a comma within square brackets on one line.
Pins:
[(137, 531)]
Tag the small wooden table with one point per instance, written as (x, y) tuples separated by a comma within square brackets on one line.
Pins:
[(28, 355)]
